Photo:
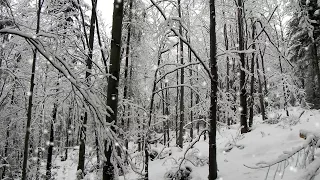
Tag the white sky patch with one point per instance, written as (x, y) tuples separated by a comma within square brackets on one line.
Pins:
[(105, 8)]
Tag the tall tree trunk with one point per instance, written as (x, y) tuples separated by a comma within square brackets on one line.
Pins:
[(51, 140), (261, 94), (40, 151), (6, 146), (265, 91), (181, 124), (316, 68), (252, 75), (213, 98), (167, 112), (243, 91), (113, 83), (226, 43), (151, 112), (126, 69), (82, 148), (30, 104), (284, 88), (191, 92), (177, 99), (67, 133), (163, 100), (191, 74)]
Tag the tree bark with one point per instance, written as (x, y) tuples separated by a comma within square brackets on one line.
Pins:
[(226, 43), (213, 98), (67, 134), (181, 124), (51, 141), (113, 83), (126, 69), (265, 92), (30, 104), (243, 91), (191, 93), (261, 94), (316, 67), (82, 148), (177, 99), (252, 76)]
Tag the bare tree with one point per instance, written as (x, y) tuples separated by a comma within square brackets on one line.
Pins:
[(213, 95), (82, 148), (113, 84), (181, 123), (30, 104), (243, 91)]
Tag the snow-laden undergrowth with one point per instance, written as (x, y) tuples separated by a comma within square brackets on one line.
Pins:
[(266, 143)]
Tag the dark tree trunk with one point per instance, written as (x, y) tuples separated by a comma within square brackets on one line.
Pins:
[(243, 91), (82, 148), (30, 104), (265, 92), (113, 83), (191, 93), (67, 134), (181, 124), (163, 100), (252, 76), (226, 43), (316, 68), (126, 69), (51, 141), (167, 112), (177, 99), (213, 98), (97, 147), (261, 94), (6, 147)]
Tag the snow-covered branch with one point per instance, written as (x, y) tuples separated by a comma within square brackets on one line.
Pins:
[(185, 41), (174, 70)]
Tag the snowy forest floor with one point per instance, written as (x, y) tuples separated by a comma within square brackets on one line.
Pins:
[(266, 142)]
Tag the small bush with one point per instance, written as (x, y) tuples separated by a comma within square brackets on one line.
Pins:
[(196, 158), (181, 174)]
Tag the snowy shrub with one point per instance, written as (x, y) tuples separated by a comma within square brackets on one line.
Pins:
[(273, 119), (288, 121), (233, 142), (196, 157), (180, 174)]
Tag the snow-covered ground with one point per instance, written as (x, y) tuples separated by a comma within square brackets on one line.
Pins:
[(266, 142)]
